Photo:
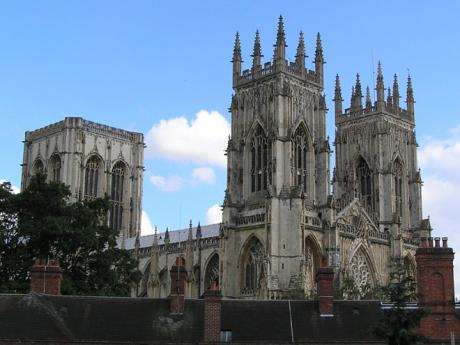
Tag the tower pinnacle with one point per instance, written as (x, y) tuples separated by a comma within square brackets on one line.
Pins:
[(380, 87), (338, 97), (236, 60), (368, 99), (319, 59), (256, 54), (396, 95), (410, 99), (280, 46), (358, 106), (300, 56)]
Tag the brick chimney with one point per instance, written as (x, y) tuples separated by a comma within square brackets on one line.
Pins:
[(178, 278), (212, 314), (435, 281), (325, 281), (46, 277)]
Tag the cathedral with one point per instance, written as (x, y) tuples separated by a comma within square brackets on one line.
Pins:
[(283, 215)]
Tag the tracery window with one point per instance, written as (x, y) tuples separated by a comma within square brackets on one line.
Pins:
[(253, 266), (93, 171), (299, 154), (360, 273), (116, 195), (54, 169), (364, 179), (212, 272), (398, 173), (260, 154), (38, 167)]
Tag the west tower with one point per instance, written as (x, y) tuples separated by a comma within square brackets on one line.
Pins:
[(278, 170)]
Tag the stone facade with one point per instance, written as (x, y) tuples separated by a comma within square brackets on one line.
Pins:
[(281, 215), (93, 160)]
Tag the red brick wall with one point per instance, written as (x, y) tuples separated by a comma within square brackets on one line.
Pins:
[(435, 281), (178, 277), (212, 314), (46, 277), (325, 279)]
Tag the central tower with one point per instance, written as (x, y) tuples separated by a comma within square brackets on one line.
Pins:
[(278, 171)]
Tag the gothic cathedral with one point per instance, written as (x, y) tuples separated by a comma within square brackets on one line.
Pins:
[(280, 219)]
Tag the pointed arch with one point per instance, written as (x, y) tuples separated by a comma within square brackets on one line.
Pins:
[(117, 190), (398, 185), (300, 156), (94, 168), (251, 265), (212, 270), (365, 185), (312, 264), (38, 167), (54, 167), (260, 158), (361, 268)]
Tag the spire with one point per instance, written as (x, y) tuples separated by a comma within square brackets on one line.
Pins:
[(256, 54), (368, 100), (338, 97), (352, 101), (300, 56), (396, 95), (280, 46), (198, 231), (236, 59), (380, 89), (319, 60), (389, 100), (167, 239), (190, 232), (410, 99), (358, 96), (155, 238)]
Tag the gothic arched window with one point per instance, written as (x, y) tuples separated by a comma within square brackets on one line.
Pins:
[(398, 174), (116, 195), (299, 158), (93, 170), (260, 155), (38, 167), (54, 170), (212, 272), (252, 267), (364, 179)]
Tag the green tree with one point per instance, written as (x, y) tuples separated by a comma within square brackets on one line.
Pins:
[(48, 225), (399, 324)]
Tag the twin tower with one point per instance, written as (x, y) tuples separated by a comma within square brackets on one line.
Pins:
[(281, 218)]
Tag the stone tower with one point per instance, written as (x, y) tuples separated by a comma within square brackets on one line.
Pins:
[(94, 160), (376, 159), (278, 170)]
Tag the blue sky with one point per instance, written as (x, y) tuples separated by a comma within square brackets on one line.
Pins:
[(156, 67)]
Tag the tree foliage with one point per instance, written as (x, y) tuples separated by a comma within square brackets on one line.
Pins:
[(399, 323), (40, 222)]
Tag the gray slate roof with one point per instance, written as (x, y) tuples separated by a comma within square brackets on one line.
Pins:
[(175, 236), (112, 319)]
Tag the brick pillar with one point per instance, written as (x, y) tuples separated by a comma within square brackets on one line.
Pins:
[(435, 281), (178, 277), (46, 277), (212, 314), (325, 280)]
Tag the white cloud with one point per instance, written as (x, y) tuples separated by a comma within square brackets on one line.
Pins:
[(202, 140), (146, 225), (203, 175), (167, 184), (214, 215), (14, 189), (440, 163)]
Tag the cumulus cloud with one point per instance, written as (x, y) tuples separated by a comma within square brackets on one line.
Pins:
[(203, 175), (214, 215), (202, 140), (146, 225), (440, 163), (167, 184)]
